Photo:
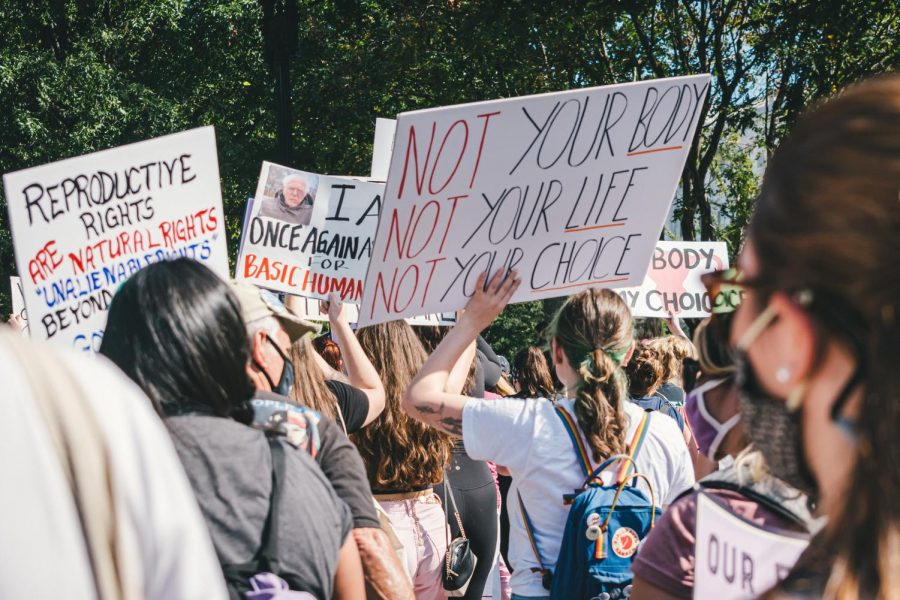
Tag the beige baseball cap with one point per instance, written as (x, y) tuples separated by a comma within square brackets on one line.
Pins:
[(258, 304)]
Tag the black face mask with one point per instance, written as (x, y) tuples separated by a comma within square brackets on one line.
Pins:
[(773, 430), (286, 382)]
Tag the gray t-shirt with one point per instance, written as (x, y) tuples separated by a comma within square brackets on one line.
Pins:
[(229, 466)]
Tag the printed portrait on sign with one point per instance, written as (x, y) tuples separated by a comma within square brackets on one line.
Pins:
[(289, 196)]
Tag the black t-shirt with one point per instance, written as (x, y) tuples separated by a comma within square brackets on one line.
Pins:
[(352, 401), (342, 465), (229, 466)]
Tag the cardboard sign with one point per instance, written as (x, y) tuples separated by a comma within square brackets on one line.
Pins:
[(18, 301), (734, 558), (308, 234), (310, 310), (673, 280), (83, 225), (571, 189), (381, 148)]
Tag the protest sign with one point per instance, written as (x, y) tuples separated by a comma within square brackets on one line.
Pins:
[(381, 148), (571, 189), (309, 234), (83, 225), (673, 280), (734, 558), (18, 301), (309, 309)]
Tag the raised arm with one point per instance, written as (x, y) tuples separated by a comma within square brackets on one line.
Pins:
[(427, 398), (360, 371)]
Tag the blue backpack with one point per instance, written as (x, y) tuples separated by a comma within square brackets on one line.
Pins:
[(668, 407), (605, 527)]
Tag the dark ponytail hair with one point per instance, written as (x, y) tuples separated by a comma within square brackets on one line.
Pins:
[(594, 328), (532, 373)]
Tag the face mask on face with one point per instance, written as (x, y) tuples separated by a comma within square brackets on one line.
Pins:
[(773, 429), (286, 382), (708, 432)]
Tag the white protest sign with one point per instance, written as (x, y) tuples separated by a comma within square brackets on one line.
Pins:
[(736, 559), (83, 225), (673, 280), (308, 234), (309, 309), (18, 301), (571, 189), (381, 148)]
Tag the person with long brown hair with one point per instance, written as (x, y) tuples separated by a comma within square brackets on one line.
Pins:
[(817, 335), (531, 374), (591, 337), (405, 459), (354, 399)]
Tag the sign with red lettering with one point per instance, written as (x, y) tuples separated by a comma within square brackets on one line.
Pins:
[(83, 225), (673, 281), (309, 235), (735, 558), (571, 189)]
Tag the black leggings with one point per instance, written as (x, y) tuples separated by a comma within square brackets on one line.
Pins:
[(476, 499)]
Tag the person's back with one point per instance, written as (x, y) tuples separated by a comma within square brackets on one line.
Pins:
[(591, 338), (164, 546), (230, 465), (176, 329)]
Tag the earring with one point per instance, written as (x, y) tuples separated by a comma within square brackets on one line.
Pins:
[(783, 375), (795, 397)]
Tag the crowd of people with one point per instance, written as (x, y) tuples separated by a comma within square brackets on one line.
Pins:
[(225, 447)]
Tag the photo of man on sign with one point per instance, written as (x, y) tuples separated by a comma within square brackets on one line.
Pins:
[(293, 201)]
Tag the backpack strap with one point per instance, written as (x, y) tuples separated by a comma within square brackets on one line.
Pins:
[(637, 442), (269, 546), (546, 574), (575, 436)]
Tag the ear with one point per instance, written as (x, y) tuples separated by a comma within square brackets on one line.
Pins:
[(258, 356), (556, 352), (627, 358), (794, 330)]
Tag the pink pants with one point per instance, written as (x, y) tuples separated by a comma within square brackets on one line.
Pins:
[(420, 525)]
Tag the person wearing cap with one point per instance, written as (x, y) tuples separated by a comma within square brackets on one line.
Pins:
[(271, 328)]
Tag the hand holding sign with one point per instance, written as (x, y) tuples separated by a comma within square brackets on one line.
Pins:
[(571, 189), (489, 300)]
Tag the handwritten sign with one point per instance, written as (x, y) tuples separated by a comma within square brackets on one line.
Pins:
[(570, 188), (736, 559), (381, 148), (673, 280), (308, 234), (309, 309), (18, 301), (83, 225)]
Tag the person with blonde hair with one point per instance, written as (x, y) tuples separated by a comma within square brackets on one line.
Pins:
[(591, 337)]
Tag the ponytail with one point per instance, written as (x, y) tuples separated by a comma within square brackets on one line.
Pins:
[(595, 330), (599, 405)]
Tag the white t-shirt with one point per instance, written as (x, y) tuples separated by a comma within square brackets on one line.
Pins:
[(159, 521), (528, 438)]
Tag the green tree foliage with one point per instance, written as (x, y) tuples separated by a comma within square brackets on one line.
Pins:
[(83, 75)]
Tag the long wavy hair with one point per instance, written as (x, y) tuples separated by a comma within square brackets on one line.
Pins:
[(827, 220), (309, 384), (532, 373), (594, 328), (400, 453)]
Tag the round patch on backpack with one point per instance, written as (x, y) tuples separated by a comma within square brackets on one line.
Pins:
[(593, 519), (625, 542)]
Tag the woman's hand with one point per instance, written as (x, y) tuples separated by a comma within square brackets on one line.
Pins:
[(334, 308), (489, 301)]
